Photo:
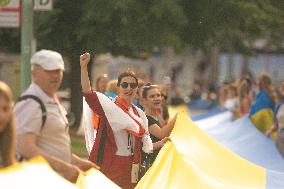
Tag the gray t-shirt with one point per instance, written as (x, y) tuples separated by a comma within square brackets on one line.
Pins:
[(54, 137)]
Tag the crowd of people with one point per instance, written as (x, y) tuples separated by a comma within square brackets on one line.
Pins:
[(261, 100), (242, 97), (129, 123), (123, 133)]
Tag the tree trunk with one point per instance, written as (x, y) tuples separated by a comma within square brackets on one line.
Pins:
[(244, 68), (214, 63), (76, 94), (230, 67)]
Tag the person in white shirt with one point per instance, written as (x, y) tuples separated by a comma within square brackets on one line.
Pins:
[(49, 139)]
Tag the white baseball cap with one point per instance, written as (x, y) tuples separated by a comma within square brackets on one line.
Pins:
[(48, 60)]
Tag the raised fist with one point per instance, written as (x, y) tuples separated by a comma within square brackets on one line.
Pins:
[(85, 59)]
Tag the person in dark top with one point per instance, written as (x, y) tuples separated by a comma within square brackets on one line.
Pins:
[(152, 102), (196, 92), (164, 110), (153, 121)]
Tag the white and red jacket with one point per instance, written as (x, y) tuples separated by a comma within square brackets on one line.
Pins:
[(116, 123)]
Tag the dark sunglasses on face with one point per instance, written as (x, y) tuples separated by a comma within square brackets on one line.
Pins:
[(125, 85)]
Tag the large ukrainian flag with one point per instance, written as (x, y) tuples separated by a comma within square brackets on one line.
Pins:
[(36, 174), (193, 160), (261, 112)]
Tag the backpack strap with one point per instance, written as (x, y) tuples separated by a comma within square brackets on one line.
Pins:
[(37, 99)]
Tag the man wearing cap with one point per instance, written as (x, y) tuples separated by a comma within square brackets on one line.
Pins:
[(50, 140)]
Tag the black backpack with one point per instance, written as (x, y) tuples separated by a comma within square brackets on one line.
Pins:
[(43, 109)]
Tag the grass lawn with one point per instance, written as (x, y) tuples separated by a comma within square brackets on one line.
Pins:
[(78, 146)]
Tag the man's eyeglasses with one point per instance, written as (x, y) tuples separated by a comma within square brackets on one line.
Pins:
[(125, 85)]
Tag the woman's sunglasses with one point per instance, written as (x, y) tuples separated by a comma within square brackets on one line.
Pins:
[(125, 85)]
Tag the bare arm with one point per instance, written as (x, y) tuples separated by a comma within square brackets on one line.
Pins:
[(85, 81), (29, 149), (82, 163), (160, 143), (273, 128), (163, 132)]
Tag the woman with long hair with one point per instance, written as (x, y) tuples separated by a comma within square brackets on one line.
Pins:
[(152, 105), (7, 126), (245, 98)]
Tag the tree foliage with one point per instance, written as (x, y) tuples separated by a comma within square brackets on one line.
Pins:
[(130, 27), (230, 24)]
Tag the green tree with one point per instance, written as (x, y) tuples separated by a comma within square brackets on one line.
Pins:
[(58, 30), (130, 27), (230, 25), (119, 27), (10, 40)]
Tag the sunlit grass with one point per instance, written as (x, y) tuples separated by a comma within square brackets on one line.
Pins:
[(78, 146)]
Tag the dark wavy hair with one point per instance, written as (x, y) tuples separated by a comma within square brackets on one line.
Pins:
[(127, 73)]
